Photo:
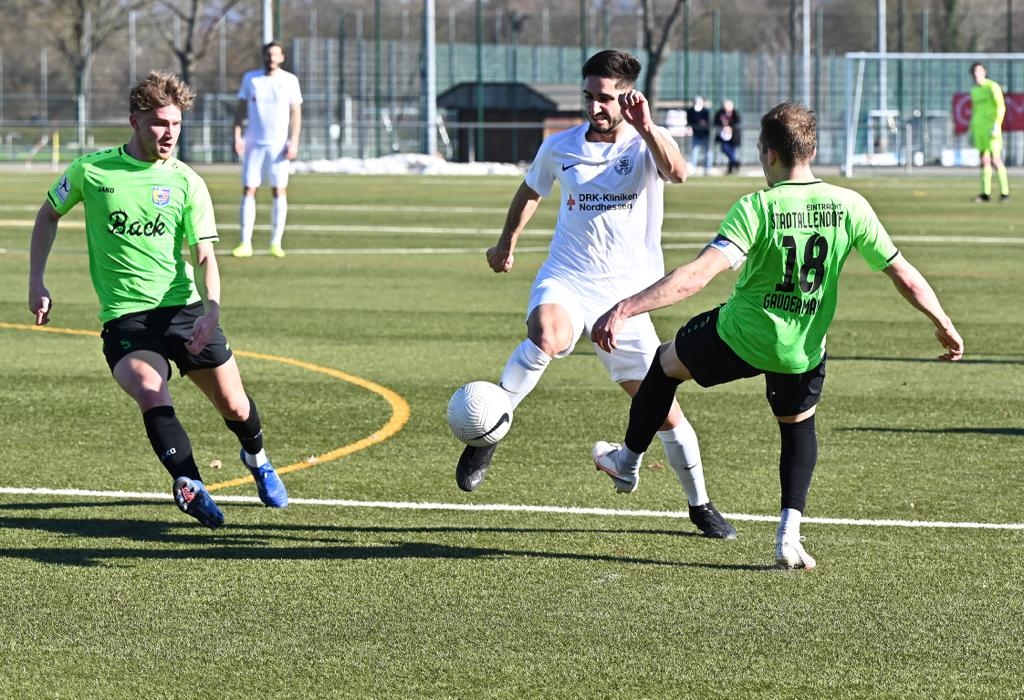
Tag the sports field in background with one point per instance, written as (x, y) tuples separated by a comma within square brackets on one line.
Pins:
[(382, 579)]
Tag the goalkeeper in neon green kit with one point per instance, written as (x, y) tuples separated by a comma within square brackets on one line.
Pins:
[(987, 110)]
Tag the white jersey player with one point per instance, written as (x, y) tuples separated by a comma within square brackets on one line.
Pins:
[(611, 173), (268, 106)]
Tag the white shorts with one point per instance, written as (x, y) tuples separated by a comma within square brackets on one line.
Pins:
[(637, 341), (265, 161)]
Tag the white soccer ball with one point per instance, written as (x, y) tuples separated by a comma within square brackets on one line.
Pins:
[(480, 413)]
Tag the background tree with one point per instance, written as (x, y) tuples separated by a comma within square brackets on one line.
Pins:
[(658, 28), (81, 28), (189, 33)]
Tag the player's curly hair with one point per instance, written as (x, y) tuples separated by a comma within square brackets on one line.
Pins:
[(159, 89), (624, 68), (791, 130)]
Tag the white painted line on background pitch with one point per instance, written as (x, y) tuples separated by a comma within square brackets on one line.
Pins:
[(511, 508)]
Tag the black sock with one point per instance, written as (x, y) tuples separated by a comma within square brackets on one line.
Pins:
[(248, 431), (170, 442), (796, 462), (650, 406)]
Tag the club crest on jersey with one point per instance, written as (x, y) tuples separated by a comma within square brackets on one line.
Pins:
[(161, 196), (624, 165)]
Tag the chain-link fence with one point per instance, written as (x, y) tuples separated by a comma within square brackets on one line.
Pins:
[(364, 89)]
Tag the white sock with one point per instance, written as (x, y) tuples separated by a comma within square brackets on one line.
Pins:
[(278, 214), (255, 460), (683, 454), (247, 217), (523, 370), (789, 525)]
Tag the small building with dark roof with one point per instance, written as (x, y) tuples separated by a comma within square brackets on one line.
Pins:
[(516, 118)]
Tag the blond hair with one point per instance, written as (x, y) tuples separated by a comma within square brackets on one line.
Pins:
[(159, 89)]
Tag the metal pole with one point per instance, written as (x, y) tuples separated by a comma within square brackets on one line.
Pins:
[(819, 52), (83, 106), (908, 150), (378, 36), (1009, 27), (222, 57), (807, 52), (451, 45), (883, 78), (716, 49), (792, 49), (900, 47), (686, 48), (583, 32), (268, 21), (479, 153), (429, 80), (132, 74), (44, 81)]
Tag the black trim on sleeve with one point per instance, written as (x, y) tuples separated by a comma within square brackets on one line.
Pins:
[(719, 236)]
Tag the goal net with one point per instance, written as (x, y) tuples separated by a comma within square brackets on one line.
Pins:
[(909, 110)]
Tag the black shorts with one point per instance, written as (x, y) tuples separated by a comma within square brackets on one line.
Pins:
[(711, 361), (165, 331)]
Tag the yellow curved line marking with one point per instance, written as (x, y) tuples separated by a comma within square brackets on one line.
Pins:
[(400, 413), (400, 410), (46, 329)]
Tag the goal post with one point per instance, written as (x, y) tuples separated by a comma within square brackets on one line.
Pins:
[(909, 109)]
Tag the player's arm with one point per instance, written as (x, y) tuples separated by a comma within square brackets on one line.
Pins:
[(294, 126), (241, 112), (44, 232), (1000, 103), (683, 282), (207, 277), (915, 289), (667, 157), (525, 202)]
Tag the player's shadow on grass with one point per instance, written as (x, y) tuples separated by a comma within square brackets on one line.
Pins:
[(293, 542), (1008, 432)]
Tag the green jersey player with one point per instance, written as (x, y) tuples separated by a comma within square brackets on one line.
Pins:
[(141, 206), (794, 237), (987, 111)]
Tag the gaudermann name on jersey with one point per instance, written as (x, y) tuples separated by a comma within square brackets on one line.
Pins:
[(602, 201)]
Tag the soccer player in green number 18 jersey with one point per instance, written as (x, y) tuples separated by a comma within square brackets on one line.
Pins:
[(987, 111), (794, 238), (141, 205)]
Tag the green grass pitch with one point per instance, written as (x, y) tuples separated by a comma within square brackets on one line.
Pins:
[(352, 345)]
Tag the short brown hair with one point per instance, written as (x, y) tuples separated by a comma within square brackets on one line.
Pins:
[(619, 65), (791, 130), (159, 89)]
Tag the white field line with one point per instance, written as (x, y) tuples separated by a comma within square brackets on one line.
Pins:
[(510, 508)]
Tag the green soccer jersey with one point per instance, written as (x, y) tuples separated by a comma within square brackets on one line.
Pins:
[(797, 236), (987, 108), (137, 217)]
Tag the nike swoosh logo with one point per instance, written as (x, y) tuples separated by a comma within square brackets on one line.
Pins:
[(570, 165)]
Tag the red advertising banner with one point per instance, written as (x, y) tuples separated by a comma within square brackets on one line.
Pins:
[(1013, 121)]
